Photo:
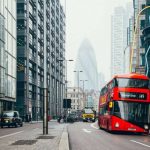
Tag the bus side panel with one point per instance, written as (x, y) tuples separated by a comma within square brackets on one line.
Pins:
[(122, 125), (104, 121)]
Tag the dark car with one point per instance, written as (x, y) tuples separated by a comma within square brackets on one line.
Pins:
[(11, 118), (72, 118)]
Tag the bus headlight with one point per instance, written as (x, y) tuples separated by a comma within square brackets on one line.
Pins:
[(117, 125), (146, 127)]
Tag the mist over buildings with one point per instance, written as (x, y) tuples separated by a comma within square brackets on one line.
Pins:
[(86, 62)]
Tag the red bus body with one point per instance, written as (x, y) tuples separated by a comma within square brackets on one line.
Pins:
[(125, 108)]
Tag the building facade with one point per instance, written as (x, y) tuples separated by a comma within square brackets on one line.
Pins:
[(77, 98), (118, 41), (127, 52), (146, 41), (138, 60), (120, 51), (40, 46), (7, 54)]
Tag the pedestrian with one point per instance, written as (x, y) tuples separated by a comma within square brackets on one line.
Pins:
[(64, 118), (59, 118), (30, 118)]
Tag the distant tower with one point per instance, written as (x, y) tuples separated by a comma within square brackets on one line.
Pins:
[(86, 61), (118, 42), (119, 23)]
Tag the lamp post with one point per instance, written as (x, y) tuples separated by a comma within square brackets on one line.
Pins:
[(84, 98), (134, 35), (78, 78), (66, 61), (66, 72)]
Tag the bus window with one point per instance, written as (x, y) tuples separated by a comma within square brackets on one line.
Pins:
[(132, 83), (116, 109)]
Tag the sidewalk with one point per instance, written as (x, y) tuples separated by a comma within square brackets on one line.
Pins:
[(33, 139)]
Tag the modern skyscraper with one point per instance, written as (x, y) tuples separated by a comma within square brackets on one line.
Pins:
[(119, 24), (118, 43), (40, 47), (86, 61), (7, 54)]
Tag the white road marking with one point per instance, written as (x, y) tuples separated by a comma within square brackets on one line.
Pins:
[(10, 134), (140, 143), (87, 131), (93, 125)]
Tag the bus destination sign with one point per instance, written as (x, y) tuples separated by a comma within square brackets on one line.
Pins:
[(133, 95)]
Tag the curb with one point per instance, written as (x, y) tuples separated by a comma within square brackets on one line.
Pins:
[(64, 142)]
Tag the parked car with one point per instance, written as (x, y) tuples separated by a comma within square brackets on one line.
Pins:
[(11, 118)]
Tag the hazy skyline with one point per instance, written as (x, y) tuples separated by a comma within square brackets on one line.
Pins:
[(90, 19)]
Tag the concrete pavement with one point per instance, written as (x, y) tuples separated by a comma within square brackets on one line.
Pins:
[(33, 139)]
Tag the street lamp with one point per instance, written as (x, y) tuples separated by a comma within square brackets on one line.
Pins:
[(66, 61), (134, 35), (78, 72), (66, 72), (84, 98)]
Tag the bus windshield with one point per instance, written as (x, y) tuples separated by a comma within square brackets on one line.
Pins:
[(132, 83), (137, 113)]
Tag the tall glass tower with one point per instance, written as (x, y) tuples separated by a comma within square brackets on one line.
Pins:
[(40, 46), (7, 54), (86, 61)]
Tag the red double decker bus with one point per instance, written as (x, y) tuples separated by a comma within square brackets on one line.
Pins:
[(124, 104)]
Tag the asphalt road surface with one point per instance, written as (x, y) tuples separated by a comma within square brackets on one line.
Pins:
[(87, 136), (12, 130)]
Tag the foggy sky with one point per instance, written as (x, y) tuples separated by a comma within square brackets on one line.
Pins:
[(90, 19)]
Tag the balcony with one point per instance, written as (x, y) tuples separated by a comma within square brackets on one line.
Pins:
[(41, 28), (32, 80), (48, 58), (41, 2), (41, 41), (31, 57), (40, 84), (41, 64), (53, 65), (53, 54), (40, 14), (48, 48), (33, 17)]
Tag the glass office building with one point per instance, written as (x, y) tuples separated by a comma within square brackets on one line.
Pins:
[(145, 40), (7, 54), (40, 46)]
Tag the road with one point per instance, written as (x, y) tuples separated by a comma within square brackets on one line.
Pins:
[(12, 130), (87, 136)]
